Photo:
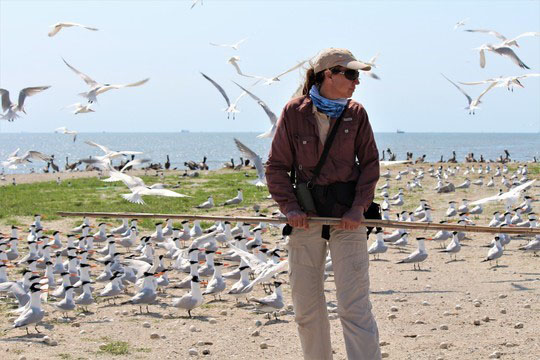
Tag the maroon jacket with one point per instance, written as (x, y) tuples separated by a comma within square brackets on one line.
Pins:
[(296, 143)]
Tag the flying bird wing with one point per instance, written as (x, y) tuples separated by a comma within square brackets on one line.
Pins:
[(220, 89), (87, 79), (255, 159), (29, 91), (105, 149), (490, 32), (6, 102), (469, 99), (134, 163), (506, 51), (102, 89), (486, 90), (291, 69), (269, 113), (513, 193)]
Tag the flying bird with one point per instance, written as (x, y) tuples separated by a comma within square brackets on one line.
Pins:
[(501, 50), (460, 23), (64, 130), (10, 109), (97, 88), (139, 188), (507, 82), (80, 108), (233, 46), (13, 160), (473, 104), (268, 81), (60, 25), (505, 41), (273, 118), (231, 108), (256, 160)]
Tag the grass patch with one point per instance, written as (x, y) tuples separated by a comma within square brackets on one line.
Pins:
[(115, 348), (143, 350), (64, 356), (94, 195)]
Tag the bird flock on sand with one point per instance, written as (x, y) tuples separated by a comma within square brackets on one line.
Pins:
[(225, 262)]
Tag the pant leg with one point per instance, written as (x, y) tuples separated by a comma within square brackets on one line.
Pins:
[(307, 254), (351, 273)]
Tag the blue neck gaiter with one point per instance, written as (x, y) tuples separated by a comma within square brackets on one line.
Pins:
[(332, 108)]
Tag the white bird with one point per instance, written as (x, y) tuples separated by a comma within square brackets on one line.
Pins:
[(268, 81), (139, 188), (505, 41), (501, 50), (378, 247), (191, 300), (97, 88), (60, 25), (460, 23), (80, 108), (472, 104), (417, 256), (33, 314), (454, 247), (451, 211), (11, 109), (256, 160), (495, 252), (272, 302), (147, 294), (13, 160), (510, 196), (507, 82), (271, 116), (217, 284), (233, 46), (235, 200), (231, 108), (64, 130), (208, 204), (533, 245)]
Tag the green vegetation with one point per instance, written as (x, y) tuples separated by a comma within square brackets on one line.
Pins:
[(94, 195), (115, 348)]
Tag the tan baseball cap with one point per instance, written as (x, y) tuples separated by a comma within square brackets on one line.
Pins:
[(328, 58)]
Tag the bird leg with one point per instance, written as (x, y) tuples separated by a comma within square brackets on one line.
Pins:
[(147, 311), (35, 327)]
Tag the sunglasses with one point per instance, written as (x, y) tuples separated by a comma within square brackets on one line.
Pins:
[(349, 74)]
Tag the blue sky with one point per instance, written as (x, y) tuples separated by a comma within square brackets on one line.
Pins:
[(169, 43)]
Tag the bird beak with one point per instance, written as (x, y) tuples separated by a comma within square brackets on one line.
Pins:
[(201, 262), (93, 265), (218, 252), (73, 275)]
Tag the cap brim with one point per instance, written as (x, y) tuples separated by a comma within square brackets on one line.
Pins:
[(357, 65)]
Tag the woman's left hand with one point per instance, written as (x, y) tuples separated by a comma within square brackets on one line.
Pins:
[(351, 219)]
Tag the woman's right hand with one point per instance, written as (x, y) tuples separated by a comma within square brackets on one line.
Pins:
[(297, 219)]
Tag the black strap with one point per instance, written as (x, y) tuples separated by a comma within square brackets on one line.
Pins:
[(326, 150)]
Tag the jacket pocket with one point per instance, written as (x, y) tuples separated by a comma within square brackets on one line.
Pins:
[(306, 147)]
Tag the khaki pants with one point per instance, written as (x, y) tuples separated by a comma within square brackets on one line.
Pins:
[(307, 253)]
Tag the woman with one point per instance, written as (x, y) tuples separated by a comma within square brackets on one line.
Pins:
[(353, 158)]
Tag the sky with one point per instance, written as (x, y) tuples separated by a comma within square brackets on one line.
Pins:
[(168, 42)]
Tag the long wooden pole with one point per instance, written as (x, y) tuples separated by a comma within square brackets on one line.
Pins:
[(313, 220)]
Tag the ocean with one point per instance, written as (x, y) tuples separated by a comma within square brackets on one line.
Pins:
[(220, 147)]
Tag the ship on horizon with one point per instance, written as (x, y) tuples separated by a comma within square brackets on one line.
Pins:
[(400, 131)]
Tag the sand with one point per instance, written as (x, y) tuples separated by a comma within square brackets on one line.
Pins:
[(465, 309)]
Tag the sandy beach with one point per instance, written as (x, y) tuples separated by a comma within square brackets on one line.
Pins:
[(464, 309)]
